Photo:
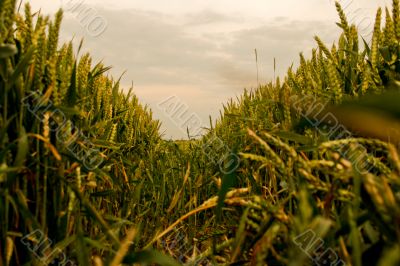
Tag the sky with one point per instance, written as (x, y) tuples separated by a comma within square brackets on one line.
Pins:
[(201, 53)]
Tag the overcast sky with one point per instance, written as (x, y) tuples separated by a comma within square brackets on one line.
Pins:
[(201, 51)]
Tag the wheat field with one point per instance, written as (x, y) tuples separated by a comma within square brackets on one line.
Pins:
[(303, 170)]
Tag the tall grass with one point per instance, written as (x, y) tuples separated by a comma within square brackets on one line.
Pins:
[(86, 177)]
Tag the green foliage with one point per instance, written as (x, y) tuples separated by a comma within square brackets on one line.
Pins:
[(52, 138), (82, 163)]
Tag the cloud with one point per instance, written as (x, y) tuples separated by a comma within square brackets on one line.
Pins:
[(208, 16), (170, 54), (282, 39)]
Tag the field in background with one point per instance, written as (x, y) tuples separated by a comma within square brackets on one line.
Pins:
[(300, 171)]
